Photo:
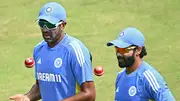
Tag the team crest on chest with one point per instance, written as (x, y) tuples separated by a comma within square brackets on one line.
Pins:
[(132, 91), (58, 62)]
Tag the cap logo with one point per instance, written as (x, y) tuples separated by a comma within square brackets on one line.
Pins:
[(121, 34), (49, 10)]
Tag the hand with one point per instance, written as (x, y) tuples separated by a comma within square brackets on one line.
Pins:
[(19, 97)]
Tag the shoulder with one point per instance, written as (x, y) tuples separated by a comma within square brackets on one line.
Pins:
[(120, 74), (75, 45), (78, 52), (146, 68), (152, 78), (150, 72), (39, 46)]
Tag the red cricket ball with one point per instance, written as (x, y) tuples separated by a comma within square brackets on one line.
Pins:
[(29, 62), (99, 71)]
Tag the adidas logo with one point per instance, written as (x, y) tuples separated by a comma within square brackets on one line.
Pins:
[(117, 90), (39, 61)]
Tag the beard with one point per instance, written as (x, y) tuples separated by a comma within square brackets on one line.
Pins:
[(125, 61)]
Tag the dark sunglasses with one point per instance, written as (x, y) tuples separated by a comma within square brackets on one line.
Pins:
[(47, 25)]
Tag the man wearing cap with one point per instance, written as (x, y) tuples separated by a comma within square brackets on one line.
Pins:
[(138, 81), (61, 62)]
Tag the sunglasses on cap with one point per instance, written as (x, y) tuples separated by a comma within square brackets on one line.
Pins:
[(125, 50), (47, 25)]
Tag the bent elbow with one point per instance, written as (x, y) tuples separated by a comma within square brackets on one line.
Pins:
[(91, 96)]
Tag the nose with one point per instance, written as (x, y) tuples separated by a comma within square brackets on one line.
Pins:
[(45, 31)]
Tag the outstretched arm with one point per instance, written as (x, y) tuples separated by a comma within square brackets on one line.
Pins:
[(34, 93)]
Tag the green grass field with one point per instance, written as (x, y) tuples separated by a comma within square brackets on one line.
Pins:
[(95, 22)]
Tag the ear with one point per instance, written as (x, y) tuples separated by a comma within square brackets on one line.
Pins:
[(62, 25), (138, 51)]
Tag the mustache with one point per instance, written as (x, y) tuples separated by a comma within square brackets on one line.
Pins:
[(120, 57)]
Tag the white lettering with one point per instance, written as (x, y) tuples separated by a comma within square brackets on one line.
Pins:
[(52, 78), (48, 77), (43, 76)]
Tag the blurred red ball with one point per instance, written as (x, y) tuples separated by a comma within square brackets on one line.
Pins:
[(29, 62), (99, 71)]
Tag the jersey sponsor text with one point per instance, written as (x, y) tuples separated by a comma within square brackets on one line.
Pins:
[(48, 77)]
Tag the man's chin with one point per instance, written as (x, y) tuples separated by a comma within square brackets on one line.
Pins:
[(122, 66), (48, 40)]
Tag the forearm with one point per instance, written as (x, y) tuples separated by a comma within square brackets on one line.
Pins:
[(81, 96), (34, 93)]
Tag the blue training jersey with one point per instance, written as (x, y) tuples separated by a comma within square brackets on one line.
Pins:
[(144, 84), (60, 68)]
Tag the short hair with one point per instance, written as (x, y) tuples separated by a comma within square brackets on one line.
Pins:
[(143, 52)]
